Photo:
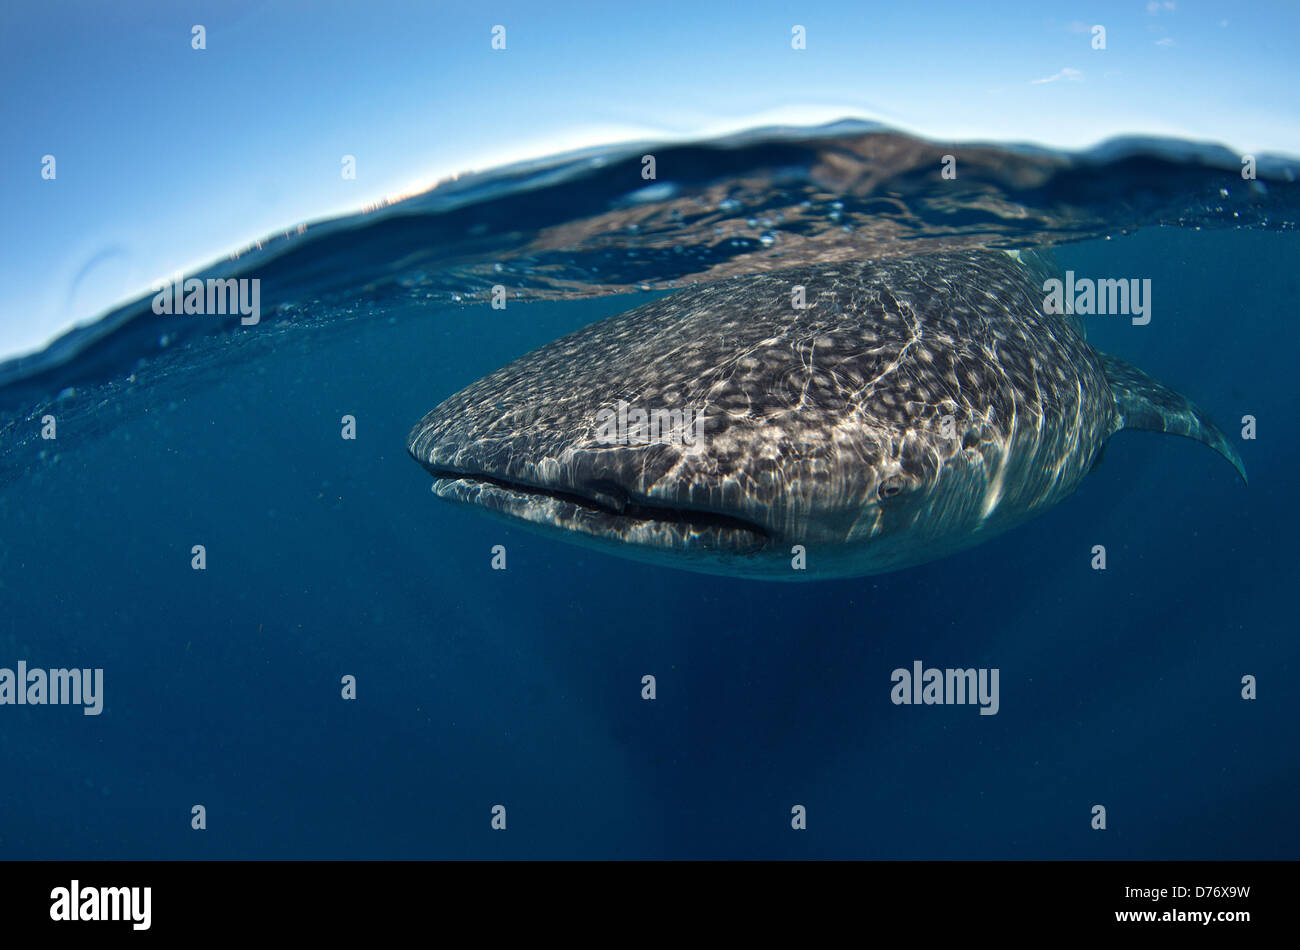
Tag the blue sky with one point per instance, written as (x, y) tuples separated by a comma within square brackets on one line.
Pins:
[(169, 157)]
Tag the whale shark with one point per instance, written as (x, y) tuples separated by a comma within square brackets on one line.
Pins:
[(834, 420)]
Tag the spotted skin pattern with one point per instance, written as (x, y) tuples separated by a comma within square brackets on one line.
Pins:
[(912, 408)]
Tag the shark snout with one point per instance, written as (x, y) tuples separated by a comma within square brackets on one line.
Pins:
[(558, 475)]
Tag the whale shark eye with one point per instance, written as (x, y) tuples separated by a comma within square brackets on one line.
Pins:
[(891, 486)]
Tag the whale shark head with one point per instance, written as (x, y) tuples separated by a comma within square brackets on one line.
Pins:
[(835, 420)]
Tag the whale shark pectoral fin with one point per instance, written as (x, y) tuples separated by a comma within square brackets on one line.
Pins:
[(1143, 403)]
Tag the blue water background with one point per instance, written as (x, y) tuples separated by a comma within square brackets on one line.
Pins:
[(476, 687)]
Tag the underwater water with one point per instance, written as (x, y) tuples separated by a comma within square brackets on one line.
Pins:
[(329, 557)]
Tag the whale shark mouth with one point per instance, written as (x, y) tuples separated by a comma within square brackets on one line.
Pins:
[(603, 511)]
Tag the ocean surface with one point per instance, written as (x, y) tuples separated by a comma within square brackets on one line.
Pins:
[(329, 557)]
